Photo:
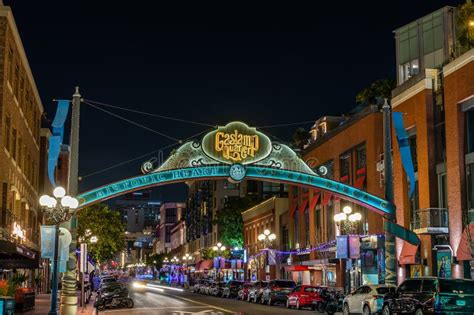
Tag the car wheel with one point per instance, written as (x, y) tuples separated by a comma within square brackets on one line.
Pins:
[(419, 312), (366, 310), (346, 310), (298, 306), (386, 310), (130, 303)]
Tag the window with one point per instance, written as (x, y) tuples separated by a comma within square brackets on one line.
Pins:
[(414, 156), (170, 215), (345, 161), (285, 237), (408, 53), (470, 131), (470, 187), (10, 64), (306, 227), (317, 224), (331, 231), (296, 229), (7, 135), (20, 153), (16, 85), (414, 205), (13, 150), (168, 233), (442, 191), (271, 188), (410, 286), (361, 157), (429, 286)]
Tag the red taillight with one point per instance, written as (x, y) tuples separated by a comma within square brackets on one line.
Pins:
[(377, 296)]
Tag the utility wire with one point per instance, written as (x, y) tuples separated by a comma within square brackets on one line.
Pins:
[(140, 156), (285, 125), (150, 114), (132, 122)]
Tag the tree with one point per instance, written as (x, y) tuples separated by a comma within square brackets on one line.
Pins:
[(155, 260), (380, 88), (229, 220), (300, 138), (107, 225), (465, 26)]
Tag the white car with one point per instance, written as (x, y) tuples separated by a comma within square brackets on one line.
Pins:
[(367, 299)]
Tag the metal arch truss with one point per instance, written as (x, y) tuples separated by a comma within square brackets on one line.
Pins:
[(164, 176)]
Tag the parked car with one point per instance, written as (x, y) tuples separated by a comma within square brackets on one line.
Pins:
[(197, 286), (203, 288), (304, 296), (243, 292), (277, 291), (217, 289), (209, 287), (255, 291), (431, 295), (367, 299), (232, 288)]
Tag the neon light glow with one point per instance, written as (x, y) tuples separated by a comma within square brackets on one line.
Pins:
[(155, 286), (222, 171)]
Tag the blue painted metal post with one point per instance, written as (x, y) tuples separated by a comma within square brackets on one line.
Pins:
[(390, 255), (54, 290)]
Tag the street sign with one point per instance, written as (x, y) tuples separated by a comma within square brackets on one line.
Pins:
[(401, 232)]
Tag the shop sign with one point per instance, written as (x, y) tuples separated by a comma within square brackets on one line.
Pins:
[(354, 246), (236, 143)]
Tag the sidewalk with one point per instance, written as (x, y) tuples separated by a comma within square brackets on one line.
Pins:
[(43, 303)]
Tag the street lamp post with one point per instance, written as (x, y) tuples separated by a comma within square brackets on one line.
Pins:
[(219, 248), (347, 222), (186, 259), (88, 238), (58, 209), (267, 239)]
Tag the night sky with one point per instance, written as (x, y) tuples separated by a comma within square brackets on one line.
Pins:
[(262, 63)]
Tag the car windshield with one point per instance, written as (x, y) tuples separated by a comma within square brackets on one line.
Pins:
[(383, 290), (456, 286), (285, 284)]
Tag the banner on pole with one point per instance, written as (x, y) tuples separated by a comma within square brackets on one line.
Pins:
[(48, 234)]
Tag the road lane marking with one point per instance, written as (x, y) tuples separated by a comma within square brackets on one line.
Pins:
[(199, 303)]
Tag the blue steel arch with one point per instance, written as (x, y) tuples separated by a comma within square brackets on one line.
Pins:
[(222, 172)]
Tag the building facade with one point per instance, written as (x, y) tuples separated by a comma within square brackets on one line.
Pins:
[(171, 213), (267, 215), (20, 118), (435, 102)]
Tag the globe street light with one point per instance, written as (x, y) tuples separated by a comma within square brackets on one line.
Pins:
[(219, 248), (57, 209), (267, 238), (346, 220)]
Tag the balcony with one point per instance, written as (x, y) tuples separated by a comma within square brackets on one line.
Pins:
[(430, 221)]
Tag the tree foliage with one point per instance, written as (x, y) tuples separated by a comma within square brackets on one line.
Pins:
[(107, 225), (229, 220), (380, 88), (300, 138), (464, 28), (155, 260)]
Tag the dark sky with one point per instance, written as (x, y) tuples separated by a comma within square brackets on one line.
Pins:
[(265, 64)]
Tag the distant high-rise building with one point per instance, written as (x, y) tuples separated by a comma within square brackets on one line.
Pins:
[(140, 211)]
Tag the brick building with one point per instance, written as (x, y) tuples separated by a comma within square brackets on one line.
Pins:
[(271, 214), (20, 115), (435, 98), (349, 149)]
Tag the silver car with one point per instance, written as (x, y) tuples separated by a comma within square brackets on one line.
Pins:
[(367, 299)]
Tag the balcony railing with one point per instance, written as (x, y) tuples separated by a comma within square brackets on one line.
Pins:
[(430, 221)]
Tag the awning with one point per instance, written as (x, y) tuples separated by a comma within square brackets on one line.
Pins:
[(303, 205), (16, 256), (206, 265), (359, 183), (314, 201), (293, 207), (464, 249), (408, 254), (296, 268), (326, 198)]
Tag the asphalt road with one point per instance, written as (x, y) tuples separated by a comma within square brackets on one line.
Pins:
[(165, 301)]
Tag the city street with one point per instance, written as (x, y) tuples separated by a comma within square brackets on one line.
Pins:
[(186, 302)]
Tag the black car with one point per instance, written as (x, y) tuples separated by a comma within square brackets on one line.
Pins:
[(431, 295), (232, 288)]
